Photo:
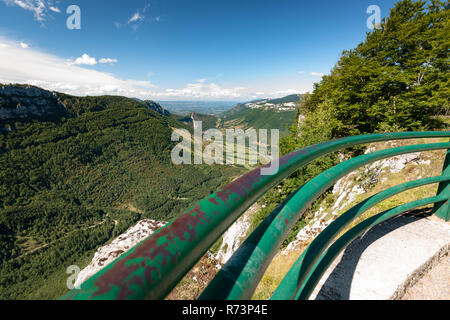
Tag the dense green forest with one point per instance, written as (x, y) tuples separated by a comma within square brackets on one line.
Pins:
[(398, 79), (69, 185)]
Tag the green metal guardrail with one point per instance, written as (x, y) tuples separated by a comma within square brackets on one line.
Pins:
[(151, 269), (303, 266)]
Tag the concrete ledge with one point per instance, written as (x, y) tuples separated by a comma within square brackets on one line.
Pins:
[(421, 272), (387, 260)]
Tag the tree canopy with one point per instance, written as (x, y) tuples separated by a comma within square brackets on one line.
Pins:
[(398, 78)]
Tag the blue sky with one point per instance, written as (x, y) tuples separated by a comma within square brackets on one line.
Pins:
[(179, 49)]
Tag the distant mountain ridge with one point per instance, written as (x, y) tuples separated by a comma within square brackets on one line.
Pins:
[(20, 102)]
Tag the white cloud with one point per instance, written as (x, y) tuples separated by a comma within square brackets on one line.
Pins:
[(55, 9), (136, 17), (86, 60), (107, 60), (202, 90), (286, 92), (24, 45), (301, 72), (202, 80), (317, 74), (58, 74), (40, 8)]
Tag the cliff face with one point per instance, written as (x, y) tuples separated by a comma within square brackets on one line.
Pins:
[(23, 102), (156, 107)]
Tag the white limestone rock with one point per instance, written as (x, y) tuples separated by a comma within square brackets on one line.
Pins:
[(235, 235), (118, 246)]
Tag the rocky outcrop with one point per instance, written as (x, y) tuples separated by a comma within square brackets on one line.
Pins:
[(235, 235), (118, 246), (156, 107), (22, 102)]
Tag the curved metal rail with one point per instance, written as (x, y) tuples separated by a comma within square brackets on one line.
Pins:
[(303, 266), (327, 258)]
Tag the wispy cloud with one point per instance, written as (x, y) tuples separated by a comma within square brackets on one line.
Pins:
[(147, 6), (107, 60), (136, 17), (39, 8), (317, 74), (55, 9)]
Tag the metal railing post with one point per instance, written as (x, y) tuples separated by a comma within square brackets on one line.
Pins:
[(442, 209)]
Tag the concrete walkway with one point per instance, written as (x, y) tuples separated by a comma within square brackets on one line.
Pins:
[(389, 261)]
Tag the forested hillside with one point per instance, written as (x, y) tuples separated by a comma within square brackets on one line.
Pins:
[(262, 114), (71, 183)]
